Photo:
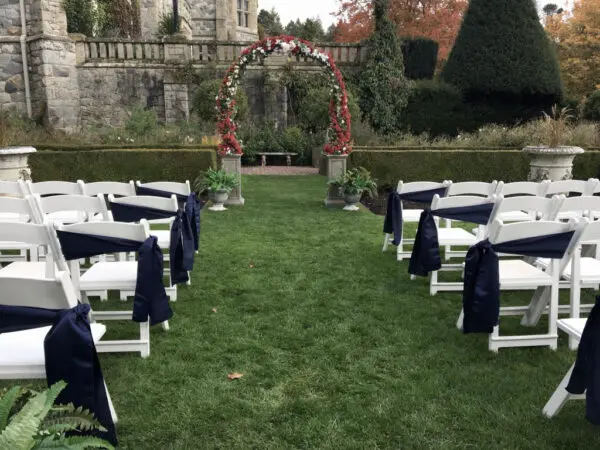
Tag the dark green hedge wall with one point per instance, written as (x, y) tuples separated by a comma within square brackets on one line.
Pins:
[(390, 166), (121, 164), (420, 57)]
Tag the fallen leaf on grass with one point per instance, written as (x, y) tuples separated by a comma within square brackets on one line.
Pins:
[(235, 376), (214, 310), (252, 266)]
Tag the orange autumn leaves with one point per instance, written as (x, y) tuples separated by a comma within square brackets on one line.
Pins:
[(439, 20)]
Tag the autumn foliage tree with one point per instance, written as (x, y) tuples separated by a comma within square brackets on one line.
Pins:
[(436, 19), (577, 36)]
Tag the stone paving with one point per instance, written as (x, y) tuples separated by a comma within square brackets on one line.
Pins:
[(279, 170)]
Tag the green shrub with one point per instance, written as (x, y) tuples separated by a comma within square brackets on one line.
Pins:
[(121, 164), (434, 108), (420, 57), (167, 25), (203, 103), (82, 16), (382, 86), (504, 62), (312, 110), (141, 121), (591, 108)]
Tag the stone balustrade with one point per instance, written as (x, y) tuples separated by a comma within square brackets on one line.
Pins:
[(94, 51)]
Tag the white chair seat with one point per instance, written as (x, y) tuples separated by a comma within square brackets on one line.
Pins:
[(455, 236), (411, 215), (164, 238), (22, 352), (119, 275), (589, 269), (516, 274), (24, 269), (66, 217), (515, 216), (573, 327)]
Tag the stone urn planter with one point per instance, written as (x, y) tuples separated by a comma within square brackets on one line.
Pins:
[(13, 163), (218, 198), (551, 163), (350, 200)]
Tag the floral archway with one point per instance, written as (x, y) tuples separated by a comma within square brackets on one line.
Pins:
[(339, 115)]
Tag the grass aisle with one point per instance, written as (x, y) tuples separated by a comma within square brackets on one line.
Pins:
[(339, 350)]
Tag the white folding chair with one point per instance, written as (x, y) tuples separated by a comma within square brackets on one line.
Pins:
[(113, 275), (165, 189), (18, 210), (453, 236), (574, 328), (519, 275), (65, 209), (22, 354), (410, 215), (467, 188), (13, 188), (520, 189), (167, 205), (54, 188)]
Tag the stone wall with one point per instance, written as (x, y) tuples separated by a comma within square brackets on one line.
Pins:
[(107, 95), (203, 16), (12, 89)]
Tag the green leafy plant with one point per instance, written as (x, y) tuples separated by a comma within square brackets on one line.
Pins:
[(591, 107), (82, 16), (215, 180), (556, 126), (203, 103), (30, 421), (141, 121), (356, 181), (167, 25)]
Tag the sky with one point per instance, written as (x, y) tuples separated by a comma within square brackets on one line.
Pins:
[(303, 9)]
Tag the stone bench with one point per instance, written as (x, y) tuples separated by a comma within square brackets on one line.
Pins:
[(288, 157)]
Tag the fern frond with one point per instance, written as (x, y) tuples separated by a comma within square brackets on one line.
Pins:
[(7, 403), (73, 443), (67, 417)]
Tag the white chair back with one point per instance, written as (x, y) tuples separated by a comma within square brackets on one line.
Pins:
[(578, 186), (584, 205), (55, 292), (109, 187), (132, 231), (474, 188), (536, 207), (87, 206), (168, 186), (16, 209), (13, 188), (55, 188), (459, 201), (522, 188), (417, 186), (147, 201)]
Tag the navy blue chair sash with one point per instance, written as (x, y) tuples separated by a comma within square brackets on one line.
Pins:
[(425, 256), (181, 252), (393, 222), (141, 190), (150, 296), (123, 212), (70, 356), (192, 211), (481, 290), (586, 372)]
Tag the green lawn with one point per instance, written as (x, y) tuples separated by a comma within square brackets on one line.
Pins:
[(339, 349)]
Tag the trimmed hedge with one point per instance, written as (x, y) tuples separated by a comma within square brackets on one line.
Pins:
[(390, 166), (121, 164), (420, 57)]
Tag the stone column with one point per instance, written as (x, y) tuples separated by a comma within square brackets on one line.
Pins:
[(336, 166), (233, 164)]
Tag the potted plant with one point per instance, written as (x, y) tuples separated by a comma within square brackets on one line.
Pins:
[(13, 160), (553, 160), (352, 184), (219, 184)]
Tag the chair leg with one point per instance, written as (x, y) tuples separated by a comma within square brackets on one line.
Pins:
[(536, 307), (553, 312), (145, 336), (575, 295), (559, 397), (111, 407), (386, 242), (461, 319), (433, 281), (165, 325)]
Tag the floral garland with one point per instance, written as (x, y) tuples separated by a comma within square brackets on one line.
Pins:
[(339, 129)]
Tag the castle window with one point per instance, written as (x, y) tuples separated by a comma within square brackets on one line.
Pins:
[(242, 11)]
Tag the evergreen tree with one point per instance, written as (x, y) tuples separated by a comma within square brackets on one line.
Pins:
[(503, 61), (382, 87)]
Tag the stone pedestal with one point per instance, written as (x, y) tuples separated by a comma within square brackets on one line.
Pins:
[(13, 163), (336, 166), (233, 164), (552, 164)]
